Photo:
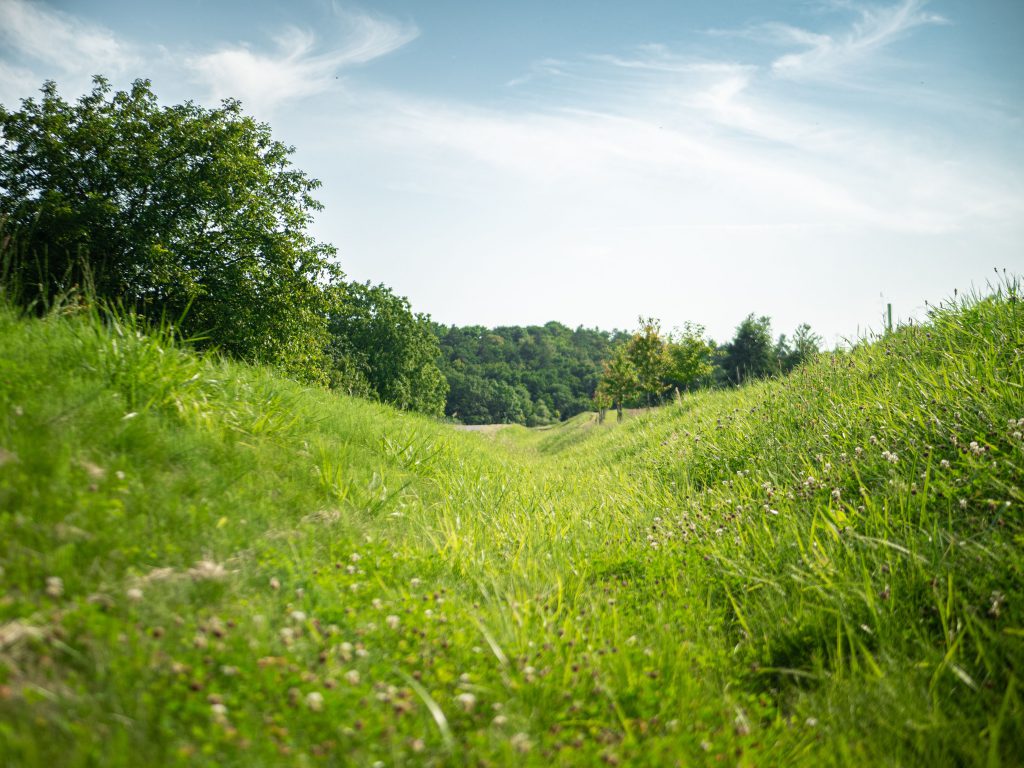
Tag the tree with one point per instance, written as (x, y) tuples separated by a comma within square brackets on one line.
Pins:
[(690, 358), (646, 351), (180, 212), (620, 381), (806, 344), (381, 349), (750, 354)]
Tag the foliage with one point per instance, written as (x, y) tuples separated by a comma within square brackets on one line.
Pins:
[(750, 354), (805, 345), (180, 212), (381, 349), (204, 563), (647, 354), (620, 382), (521, 375), (690, 358)]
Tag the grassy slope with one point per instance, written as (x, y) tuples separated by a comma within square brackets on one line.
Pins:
[(259, 574)]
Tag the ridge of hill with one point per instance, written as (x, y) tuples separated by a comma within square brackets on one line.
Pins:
[(204, 562)]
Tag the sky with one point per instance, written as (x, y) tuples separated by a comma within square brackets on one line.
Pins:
[(511, 163)]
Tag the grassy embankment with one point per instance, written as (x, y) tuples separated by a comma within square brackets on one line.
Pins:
[(202, 562)]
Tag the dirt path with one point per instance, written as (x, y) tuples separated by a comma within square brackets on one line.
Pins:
[(487, 429)]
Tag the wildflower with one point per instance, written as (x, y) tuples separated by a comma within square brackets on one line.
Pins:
[(521, 743), (499, 720), (376, 603), (54, 586), (467, 701), (414, 583), (944, 463), (219, 712), (392, 621), (352, 677), (134, 594), (207, 570), (976, 449), (998, 598), (1017, 435), (315, 701), (963, 503), (298, 617), (836, 494), (355, 557)]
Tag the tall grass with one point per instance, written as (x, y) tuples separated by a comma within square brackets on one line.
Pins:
[(204, 563)]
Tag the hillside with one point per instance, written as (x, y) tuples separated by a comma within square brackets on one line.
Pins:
[(205, 563)]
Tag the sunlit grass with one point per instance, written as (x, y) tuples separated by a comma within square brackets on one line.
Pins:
[(202, 562)]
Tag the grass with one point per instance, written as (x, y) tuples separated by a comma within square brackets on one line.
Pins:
[(203, 563)]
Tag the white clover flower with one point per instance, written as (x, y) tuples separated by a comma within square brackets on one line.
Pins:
[(521, 743), (467, 701), (392, 621), (352, 677), (54, 586), (134, 594), (315, 701)]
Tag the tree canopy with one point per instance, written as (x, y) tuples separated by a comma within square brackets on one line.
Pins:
[(381, 349), (180, 212), (527, 375)]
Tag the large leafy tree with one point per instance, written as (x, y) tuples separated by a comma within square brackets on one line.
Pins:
[(181, 212), (381, 349)]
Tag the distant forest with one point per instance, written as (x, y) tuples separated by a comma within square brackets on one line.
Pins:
[(539, 374), (529, 375)]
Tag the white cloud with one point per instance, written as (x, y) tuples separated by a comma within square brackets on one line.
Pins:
[(60, 43), (264, 81), (827, 55)]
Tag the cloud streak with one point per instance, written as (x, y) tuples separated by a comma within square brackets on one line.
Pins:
[(296, 70), (827, 55), (58, 45)]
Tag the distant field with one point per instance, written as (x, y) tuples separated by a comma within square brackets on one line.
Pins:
[(204, 564)]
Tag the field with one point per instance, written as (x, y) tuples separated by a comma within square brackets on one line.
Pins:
[(204, 563)]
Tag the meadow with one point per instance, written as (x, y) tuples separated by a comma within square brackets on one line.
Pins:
[(205, 563)]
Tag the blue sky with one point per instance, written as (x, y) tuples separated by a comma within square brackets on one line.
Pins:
[(589, 162)]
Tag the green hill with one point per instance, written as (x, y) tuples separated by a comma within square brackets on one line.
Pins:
[(204, 563)]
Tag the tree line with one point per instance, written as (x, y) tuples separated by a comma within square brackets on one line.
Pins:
[(651, 364), (535, 375)]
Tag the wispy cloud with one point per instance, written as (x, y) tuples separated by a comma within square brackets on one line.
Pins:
[(58, 45), (706, 142), (298, 68), (827, 54)]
